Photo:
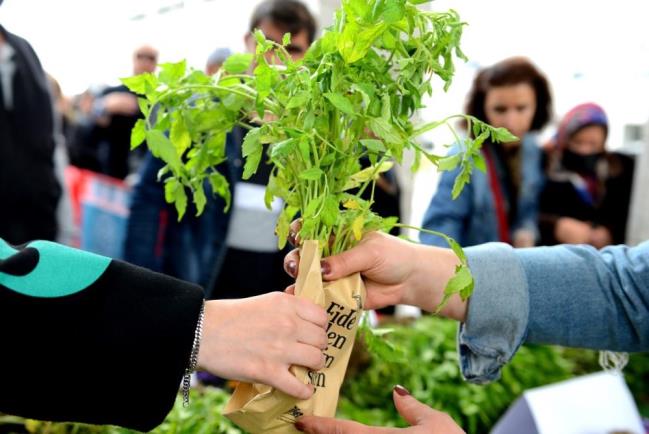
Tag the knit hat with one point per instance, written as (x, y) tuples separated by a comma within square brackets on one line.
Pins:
[(580, 117)]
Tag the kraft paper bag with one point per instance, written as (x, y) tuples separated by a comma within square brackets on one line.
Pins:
[(259, 408)]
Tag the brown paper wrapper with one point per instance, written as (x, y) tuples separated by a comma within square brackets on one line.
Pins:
[(258, 408)]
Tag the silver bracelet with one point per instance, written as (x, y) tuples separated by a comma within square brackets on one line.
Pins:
[(193, 358)]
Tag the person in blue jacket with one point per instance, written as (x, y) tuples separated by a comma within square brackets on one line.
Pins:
[(570, 295), (500, 204)]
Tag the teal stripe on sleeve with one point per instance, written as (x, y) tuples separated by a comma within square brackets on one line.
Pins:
[(60, 270)]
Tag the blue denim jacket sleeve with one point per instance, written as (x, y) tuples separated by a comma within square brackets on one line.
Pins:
[(445, 214), (567, 295)]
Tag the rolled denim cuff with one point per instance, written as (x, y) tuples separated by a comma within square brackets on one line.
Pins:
[(497, 315)]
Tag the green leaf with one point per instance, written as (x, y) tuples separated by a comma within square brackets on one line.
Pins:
[(449, 162), (171, 184), (389, 41), (479, 161), (286, 39), (252, 151), (283, 225), (200, 200), (394, 11), (312, 207), (175, 193), (220, 186), (234, 102), (330, 211), (460, 281), (171, 73), (387, 224), (355, 41), (140, 83), (503, 135), (373, 145), (358, 8), (179, 134), (260, 37), (144, 106), (386, 109), (457, 249), (162, 147), (305, 152), (181, 202), (238, 63), (138, 133), (312, 174), (385, 130), (341, 103), (298, 100), (280, 151), (461, 180), (263, 80), (367, 174)]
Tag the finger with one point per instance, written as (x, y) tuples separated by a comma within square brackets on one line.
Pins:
[(292, 262), (311, 312), (290, 289), (356, 260), (328, 425), (311, 334), (289, 384), (305, 355), (418, 414), (293, 232)]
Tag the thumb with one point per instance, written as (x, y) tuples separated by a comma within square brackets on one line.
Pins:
[(356, 260), (413, 411), (289, 384)]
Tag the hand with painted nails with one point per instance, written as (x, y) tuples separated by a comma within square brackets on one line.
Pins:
[(257, 339), (395, 272), (423, 420)]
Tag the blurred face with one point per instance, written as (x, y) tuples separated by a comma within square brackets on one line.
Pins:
[(512, 107), (296, 49), (145, 59), (588, 141)]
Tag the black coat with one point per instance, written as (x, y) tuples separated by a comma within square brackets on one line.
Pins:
[(611, 210), (29, 190)]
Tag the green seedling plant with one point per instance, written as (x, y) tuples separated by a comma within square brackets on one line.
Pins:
[(330, 123)]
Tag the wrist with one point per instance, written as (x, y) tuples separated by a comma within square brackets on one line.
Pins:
[(435, 266), (193, 357), (203, 360)]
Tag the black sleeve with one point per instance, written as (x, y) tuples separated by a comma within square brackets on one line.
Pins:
[(88, 339)]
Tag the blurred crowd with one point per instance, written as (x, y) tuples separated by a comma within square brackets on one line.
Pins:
[(570, 189)]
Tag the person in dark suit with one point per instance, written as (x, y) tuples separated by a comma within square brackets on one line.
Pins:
[(29, 190)]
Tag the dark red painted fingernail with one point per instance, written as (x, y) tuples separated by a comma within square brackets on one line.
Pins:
[(299, 426), (291, 268), (401, 391), (292, 238), (325, 268)]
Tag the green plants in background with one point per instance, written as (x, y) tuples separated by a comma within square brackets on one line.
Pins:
[(422, 356), (425, 362), (349, 101), (202, 417)]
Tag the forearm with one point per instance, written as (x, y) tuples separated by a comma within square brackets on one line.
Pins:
[(566, 295), (582, 297), (98, 341)]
